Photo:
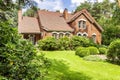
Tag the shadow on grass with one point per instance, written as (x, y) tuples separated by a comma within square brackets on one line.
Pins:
[(60, 71)]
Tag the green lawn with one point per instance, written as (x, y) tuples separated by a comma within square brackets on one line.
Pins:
[(67, 66)]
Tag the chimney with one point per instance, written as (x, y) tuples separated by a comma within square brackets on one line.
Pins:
[(19, 16), (65, 13)]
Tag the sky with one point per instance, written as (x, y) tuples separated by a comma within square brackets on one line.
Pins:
[(53, 5)]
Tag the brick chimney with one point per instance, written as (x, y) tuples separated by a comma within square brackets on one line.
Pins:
[(65, 13), (19, 16)]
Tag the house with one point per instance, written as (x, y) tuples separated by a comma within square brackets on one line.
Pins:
[(58, 24)]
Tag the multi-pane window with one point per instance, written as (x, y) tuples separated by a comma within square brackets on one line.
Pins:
[(67, 34), (60, 35), (85, 35), (82, 24), (54, 35), (94, 38), (32, 38), (79, 34)]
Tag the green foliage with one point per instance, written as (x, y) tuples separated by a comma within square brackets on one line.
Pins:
[(49, 43), (92, 58), (81, 51), (31, 12), (17, 56), (97, 9), (102, 50), (113, 53), (93, 50), (77, 41), (64, 43)]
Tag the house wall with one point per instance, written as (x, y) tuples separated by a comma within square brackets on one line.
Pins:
[(49, 34), (90, 28)]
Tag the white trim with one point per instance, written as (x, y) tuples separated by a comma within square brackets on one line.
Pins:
[(82, 20), (79, 33), (94, 34), (85, 33)]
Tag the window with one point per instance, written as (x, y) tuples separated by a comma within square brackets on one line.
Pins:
[(94, 38), (82, 24), (85, 34), (79, 34), (60, 35), (32, 38), (54, 35), (67, 34)]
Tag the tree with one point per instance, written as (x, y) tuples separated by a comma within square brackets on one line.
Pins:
[(31, 11), (18, 59)]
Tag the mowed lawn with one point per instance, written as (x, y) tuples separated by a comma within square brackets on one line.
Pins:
[(67, 66)]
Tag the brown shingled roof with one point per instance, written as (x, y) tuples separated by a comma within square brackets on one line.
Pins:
[(53, 21), (28, 25)]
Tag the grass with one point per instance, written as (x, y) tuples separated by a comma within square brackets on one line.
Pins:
[(67, 66)]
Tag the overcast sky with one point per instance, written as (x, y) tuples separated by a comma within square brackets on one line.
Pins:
[(53, 5)]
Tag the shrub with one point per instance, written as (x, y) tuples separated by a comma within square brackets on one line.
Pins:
[(81, 51), (92, 58), (113, 53), (49, 43), (102, 50), (64, 43), (17, 56), (93, 50), (77, 41), (17, 61)]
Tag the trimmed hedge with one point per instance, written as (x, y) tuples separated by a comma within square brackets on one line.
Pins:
[(81, 51), (103, 50), (77, 41), (93, 50), (64, 43)]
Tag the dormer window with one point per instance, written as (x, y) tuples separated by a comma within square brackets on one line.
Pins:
[(82, 24)]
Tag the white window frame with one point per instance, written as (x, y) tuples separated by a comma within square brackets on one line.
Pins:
[(81, 25), (94, 40), (68, 33), (79, 33), (56, 34), (85, 34)]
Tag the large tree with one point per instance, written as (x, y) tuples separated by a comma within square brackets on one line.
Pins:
[(18, 60)]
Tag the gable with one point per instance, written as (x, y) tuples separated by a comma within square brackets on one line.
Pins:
[(88, 16)]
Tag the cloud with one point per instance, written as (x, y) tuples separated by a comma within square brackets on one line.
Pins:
[(51, 5), (75, 3)]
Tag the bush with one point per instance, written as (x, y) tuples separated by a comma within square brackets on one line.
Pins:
[(17, 56), (93, 50), (81, 51), (92, 58), (49, 43), (113, 53), (102, 50), (17, 61), (77, 41), (64, 43)]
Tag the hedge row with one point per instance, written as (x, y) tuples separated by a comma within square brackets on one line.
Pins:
[(64, 43), (85, 51)]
